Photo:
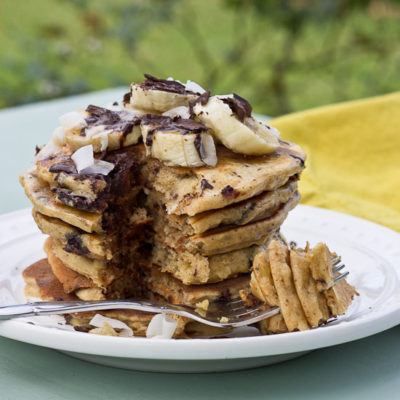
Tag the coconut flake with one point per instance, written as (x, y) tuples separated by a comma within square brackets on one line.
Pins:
[(59, 136), (99, 320), (181, 111), (47, 150), (72, 120), (194, 87), (161, 326), (99, 132), (99, 167), (83, 157)]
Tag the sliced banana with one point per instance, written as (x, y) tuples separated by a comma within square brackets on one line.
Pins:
[(102, 128), (160, 95), (184, 143), (231, 123)]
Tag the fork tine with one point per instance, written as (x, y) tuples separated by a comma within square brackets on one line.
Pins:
[(258, 317), (340, 277), (248, 311), (338, 268), (336, 260)]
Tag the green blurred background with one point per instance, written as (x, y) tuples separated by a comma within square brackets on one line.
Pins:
[(283, 56)]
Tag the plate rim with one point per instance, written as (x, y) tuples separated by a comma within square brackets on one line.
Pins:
[(211, 349)]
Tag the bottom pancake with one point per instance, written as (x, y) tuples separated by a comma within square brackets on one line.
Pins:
[(42, 283)]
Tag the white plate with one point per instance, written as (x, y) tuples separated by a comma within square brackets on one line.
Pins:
[(370, 251)]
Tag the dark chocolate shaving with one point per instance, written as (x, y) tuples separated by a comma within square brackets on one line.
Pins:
[(204, 97), (164, 85), (111, 119), (153, 119), (239, 106), (127, 98), (184, 125), (199, 145), (166, 124)]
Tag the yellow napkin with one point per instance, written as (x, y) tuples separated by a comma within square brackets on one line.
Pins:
[(353, 151)]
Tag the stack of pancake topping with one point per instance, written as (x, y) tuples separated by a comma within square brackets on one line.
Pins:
[(173, 195)]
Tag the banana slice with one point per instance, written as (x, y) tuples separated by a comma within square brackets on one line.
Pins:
[(184, 143), (231, 122), (102, 128), (160, 95)]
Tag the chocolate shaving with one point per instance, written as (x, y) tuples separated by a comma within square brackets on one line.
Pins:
[(239, 106), (166, 124), (184, 125), (153, 119), (204, 97), (127, 98), (164, 85), (111, 119), (199, 145)]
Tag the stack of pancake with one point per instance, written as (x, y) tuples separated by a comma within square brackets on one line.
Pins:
[(210, 222), (149, 229)]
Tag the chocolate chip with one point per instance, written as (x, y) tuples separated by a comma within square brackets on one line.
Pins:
[(67, 167), (75, 245), (206, 185), (229, 191)]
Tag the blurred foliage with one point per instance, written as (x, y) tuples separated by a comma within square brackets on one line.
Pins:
[(283, 55)]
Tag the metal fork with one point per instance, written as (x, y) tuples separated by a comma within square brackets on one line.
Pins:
[(229, 314)]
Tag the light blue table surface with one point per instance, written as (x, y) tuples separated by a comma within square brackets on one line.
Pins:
[(364, 369)]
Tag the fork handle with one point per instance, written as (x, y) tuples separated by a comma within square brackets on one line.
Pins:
[(65, 307)]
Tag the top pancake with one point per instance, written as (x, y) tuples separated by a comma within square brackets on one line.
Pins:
[(235, 178)]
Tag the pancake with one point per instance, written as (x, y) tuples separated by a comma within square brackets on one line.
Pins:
[(195, 269), (176, 292), (70, 279), (289, 302), (92, 245), (96, 270), (60, 171), (313, 302), (77, 241), (42, 283), (228, 238), (44, 201), (253, 209), (234, 179)]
